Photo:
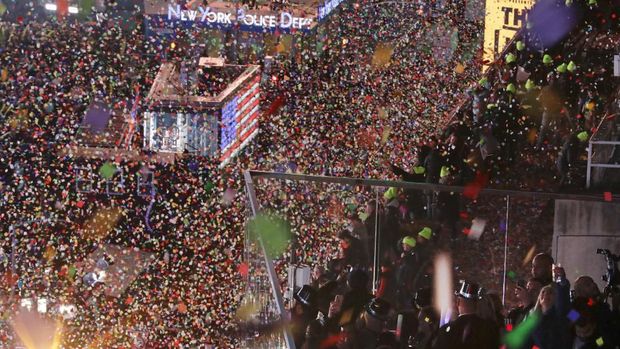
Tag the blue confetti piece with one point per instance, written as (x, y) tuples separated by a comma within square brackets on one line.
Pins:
[(573, 315)]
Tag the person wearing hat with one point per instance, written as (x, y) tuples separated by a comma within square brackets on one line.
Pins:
[(356, 297), (303, 312), (370, 328), (407, 268), (468, 331), (574, 145)]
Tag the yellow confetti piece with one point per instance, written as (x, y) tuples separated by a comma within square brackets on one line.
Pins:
[(459, 69), (100, 225), (383, 54), (600, 341), (50, 253), (246, 311), (529, 255), (386, 134), (383, 113)]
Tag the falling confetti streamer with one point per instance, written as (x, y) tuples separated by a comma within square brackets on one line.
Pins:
[(442, 284), (529, 255)]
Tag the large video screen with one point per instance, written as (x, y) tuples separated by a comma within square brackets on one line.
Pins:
[(179, 132)]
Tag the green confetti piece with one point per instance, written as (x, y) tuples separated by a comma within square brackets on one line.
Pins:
[(511, 275), (274, 231), (72, 271), (209, 186), (519, 336), (600, 341), (107, 170)]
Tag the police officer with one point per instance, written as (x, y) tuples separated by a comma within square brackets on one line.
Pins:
[(468, 331)]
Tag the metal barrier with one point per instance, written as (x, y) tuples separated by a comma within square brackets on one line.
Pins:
[(602, 151)]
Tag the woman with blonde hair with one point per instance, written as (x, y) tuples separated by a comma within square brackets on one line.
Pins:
[(552, 329)]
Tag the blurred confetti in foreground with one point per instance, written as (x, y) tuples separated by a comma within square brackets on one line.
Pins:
[(274, 231), (100, 225), (442, 286), (519, 336), (477, 228), (529, 255), (35, 331), (383, 55)]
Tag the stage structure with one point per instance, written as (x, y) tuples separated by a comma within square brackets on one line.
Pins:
[(209, 108)]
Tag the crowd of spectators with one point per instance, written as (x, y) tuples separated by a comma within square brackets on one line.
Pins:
[(348, 111), (340, 312)]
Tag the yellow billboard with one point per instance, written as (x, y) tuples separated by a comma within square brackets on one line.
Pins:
[(503, 19)]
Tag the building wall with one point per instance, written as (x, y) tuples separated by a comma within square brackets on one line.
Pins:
[(580, 228)]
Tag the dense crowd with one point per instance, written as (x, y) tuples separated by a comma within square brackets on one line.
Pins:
[(338, 311), (368, 105)]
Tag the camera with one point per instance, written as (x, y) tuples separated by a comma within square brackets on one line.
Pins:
[(612, 276)]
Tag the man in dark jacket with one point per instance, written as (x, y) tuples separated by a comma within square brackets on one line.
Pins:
[(468, 331), (354, 252)]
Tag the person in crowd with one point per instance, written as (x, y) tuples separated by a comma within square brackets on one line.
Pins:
[(408, 266), (551, 310), (490, 308), (469, 330), (369, 331), (542, 268), (304, 311), (355, 298), (354, 253), (526, 295)]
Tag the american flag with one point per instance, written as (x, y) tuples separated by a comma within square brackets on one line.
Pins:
[(240, 120)]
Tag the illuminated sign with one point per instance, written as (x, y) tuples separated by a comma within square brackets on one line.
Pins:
[(208, 16), (240, 120), (229, 125), (503, 19), (327, 8)]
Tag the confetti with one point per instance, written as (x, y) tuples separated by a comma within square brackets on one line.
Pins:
[(607, 196), (107, 170), (273, 231), (529, 256), (519, 335), (459, 69), (477, 228)]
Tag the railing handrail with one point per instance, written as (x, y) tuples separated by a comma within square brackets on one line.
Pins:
[(424, 186)]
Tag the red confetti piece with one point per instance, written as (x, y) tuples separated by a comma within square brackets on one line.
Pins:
[(590, 302), (332, 340), (466, 231), (80, 204), (509, 327), (243, 269), (463, 215), (607, 196)]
